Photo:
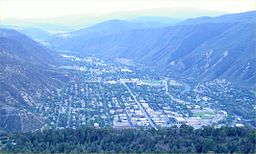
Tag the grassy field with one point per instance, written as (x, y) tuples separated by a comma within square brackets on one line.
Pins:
[(204, 115), (151, 81)]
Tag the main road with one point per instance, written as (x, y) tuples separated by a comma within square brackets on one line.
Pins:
[(141, 107)]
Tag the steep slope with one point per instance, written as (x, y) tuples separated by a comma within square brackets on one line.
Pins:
[(25, 48), (230, 55), (204, 48), (35, 33), (27, 73), (106, 28), (32, 32)]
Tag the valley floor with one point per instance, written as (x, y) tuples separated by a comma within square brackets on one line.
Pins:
[(122, 94)]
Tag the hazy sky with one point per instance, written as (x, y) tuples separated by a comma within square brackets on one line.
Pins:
[(52, 8)]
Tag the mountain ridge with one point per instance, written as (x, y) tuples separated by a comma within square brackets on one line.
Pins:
[(170, 46), (27, 74)]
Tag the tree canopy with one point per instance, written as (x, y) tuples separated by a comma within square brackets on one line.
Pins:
[(87, 139)]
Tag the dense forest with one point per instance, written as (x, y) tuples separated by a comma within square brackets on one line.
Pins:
[(94, 140)]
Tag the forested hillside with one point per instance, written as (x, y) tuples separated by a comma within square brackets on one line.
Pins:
[(183, 140)]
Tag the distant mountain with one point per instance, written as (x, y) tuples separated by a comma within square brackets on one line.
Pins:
[(27, 73), (155, 21), (180, 13), (103, 29), (108, 27), (37, 34), (52, 28), (78, 21), (48, 27), (204, 48), (246, 17), (25, 48)]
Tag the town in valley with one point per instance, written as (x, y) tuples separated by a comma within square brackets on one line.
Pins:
[(122, 94)]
